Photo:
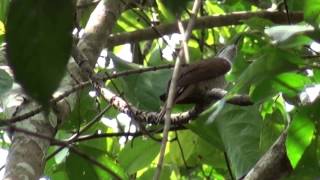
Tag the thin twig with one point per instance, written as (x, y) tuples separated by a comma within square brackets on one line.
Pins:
[(85, 128), (120, 134), (287, 11), (7, 122), (172, 91)]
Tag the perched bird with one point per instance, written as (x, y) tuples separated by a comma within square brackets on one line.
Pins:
[(198, 78)]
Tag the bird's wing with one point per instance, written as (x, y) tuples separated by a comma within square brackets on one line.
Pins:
[(203, 70)]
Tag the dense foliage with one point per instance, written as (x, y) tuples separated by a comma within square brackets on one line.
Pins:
[(277, 65)]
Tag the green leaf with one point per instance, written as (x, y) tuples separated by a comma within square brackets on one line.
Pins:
[(61, 156), (3, 9), (205, 153), (311, 12), (258, 23), (149, 174), (208, 132), (308, 166), (296, 41), (295, 5), (271, 63), (83, 111), (188, 142), (300, 134), (316, 75), (130, 21), (39, 37), (5, 82), (176, 7), (291, 83), (56, 171), (138, 154), (141, 89), (262, 91), (240, 129), (155, 57), (80, 168)]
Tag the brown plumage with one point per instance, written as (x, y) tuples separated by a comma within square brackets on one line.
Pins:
[(196, 79)]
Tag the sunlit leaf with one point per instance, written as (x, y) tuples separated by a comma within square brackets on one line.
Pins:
[(290, 83), (149, 174), (138, 154), (308, 166), (130, 21), (299, 137), (311, 12)]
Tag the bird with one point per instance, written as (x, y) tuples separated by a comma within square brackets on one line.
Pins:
[(196, 79)]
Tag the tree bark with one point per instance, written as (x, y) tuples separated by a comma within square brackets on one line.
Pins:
[(27, 154)]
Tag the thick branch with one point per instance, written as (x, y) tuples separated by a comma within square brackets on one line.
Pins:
[(274, 164), (180, 118), (201, 23), (26, 157)]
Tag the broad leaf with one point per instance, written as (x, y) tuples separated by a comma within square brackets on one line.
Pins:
[(87, 170), (142, 90), (208, 132), (271, 63), (290, 83), (311, 12), (138, 154), (308, 166), (239, 129), (188, 142), (39, 37), (299, 137)]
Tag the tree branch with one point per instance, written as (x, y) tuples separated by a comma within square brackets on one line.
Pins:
[(274, 164), (201, 23), (26, 155)]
